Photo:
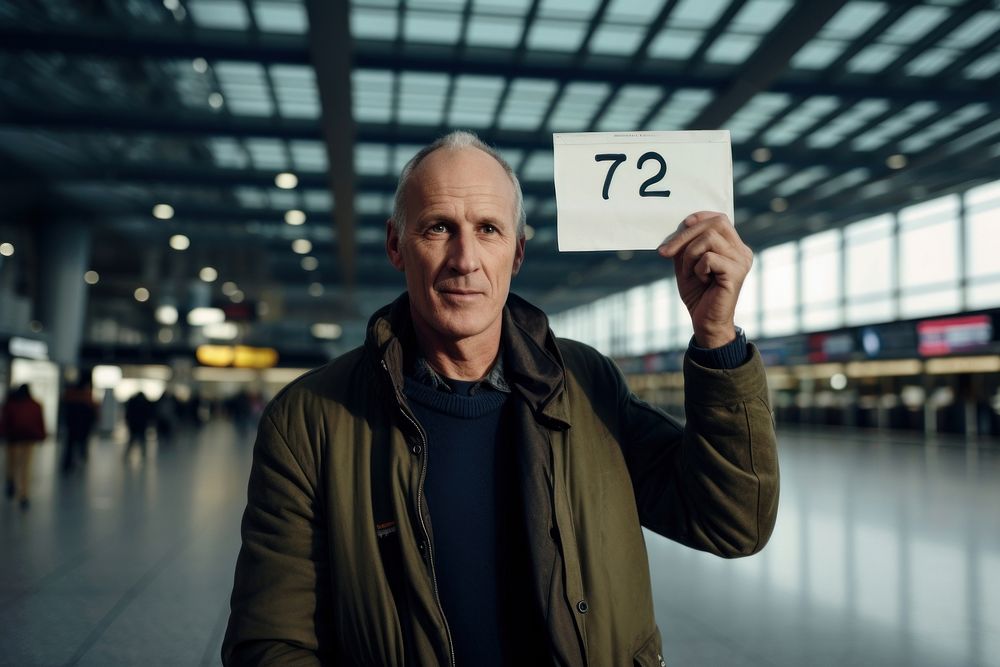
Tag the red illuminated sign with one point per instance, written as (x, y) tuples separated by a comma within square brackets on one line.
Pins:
[(953, 334)]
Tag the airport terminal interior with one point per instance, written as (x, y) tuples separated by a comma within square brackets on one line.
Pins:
[(193, 206)]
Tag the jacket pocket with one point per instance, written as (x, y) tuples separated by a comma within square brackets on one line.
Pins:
[(649, 654)]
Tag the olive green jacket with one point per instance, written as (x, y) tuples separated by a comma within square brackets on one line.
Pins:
[(337, 562)]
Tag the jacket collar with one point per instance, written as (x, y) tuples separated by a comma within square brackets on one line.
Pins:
[(532, 364)]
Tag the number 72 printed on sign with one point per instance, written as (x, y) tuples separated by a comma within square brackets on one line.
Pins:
[(629, 190)]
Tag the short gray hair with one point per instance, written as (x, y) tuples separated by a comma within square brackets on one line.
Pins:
[(453, 141)]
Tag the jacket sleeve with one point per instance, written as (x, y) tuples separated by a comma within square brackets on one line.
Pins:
[(713, 483), (281, 593)]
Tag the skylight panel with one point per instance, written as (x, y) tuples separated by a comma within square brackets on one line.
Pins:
[(682, 107), (295, 88), (227, 152), (633, 11), (436, 27), (697, 13), (222, 14), (371, 203), (758, 111), (548, 35), (847, 122), (630, 106), (943, 128), (402, 155), (422, 98), (853, 20), (250, 197), (974, 30), (244, 88), (931, 61), (759, 16), (308, 155), (874, 58), (675, 44), (984, 67), (513, 156), (801, 180), (372, 94), (448, 5), (267, 154), (372, 23), (475, 100), (576, 107), (283, 199), (818, 54), (894, 126), (512, 7), (527, 100), (732, 48), (538, 167), (371, 159), (914, 24), (283, 17), (842, 182), (617, 39), (576, 9), (789, 128), (762, 178), (499, 31), (318, 200)]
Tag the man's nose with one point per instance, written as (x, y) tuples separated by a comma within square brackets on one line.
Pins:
[(463, 253)]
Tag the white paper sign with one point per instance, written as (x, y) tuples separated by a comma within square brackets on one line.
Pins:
[(629, 190)]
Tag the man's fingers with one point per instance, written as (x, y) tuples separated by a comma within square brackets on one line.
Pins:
[(722, 268), (691, 227)]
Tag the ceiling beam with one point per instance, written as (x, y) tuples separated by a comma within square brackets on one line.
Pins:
[(769, 61), (330, 46), (107, 40)]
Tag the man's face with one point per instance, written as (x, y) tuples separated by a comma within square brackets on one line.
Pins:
[(460, 247)]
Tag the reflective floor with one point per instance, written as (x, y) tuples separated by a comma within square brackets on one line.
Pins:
[(886, 552)]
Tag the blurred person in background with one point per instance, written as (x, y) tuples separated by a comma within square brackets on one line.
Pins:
[(138, 415), (80, 414), (22, 424)]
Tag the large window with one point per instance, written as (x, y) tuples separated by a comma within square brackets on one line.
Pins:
[(870, 270), (928, 258), (821, 281), (936, 257)]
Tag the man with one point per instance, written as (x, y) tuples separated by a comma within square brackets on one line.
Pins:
[(528, 453)]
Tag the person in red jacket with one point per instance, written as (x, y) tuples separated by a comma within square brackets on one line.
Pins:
[(22, 424)]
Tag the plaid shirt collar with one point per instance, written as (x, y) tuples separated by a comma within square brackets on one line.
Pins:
[(423, 373)]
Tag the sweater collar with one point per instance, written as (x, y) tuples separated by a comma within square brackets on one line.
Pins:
[(533, 366)]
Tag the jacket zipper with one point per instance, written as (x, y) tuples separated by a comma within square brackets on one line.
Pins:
[(420, 513)]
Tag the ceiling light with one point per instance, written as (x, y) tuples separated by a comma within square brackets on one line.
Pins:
[(779, 204), (229, 287), (141, 294), (221, 330), (166, 315), (316, 289), (761, 154), (310, 263), (106, 377), (91, 277), (237, 296), (326, 330), (199, 317), (286, 180), (35, 326), (163, 211), (180, 242), (302, 246), (529, 232), (165, 335), (6, 249), (625, 255), (897, 161), (208, 274), (200, 65), (295, 217), (215, 100), (172, 5)]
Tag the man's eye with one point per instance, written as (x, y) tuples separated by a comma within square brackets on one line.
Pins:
[(437, 229), (490, 229)]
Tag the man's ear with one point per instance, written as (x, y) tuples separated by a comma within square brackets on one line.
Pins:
[(518, 255), (392, 249)]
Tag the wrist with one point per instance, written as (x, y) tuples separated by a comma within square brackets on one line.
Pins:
[(711, 339)]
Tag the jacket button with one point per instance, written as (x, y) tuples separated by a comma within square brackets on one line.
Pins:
[(417, 449), (582, 606)]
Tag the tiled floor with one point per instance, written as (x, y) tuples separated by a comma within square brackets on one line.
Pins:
[(887, 552)]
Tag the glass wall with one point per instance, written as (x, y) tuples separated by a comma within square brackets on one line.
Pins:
[(936, 257)]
